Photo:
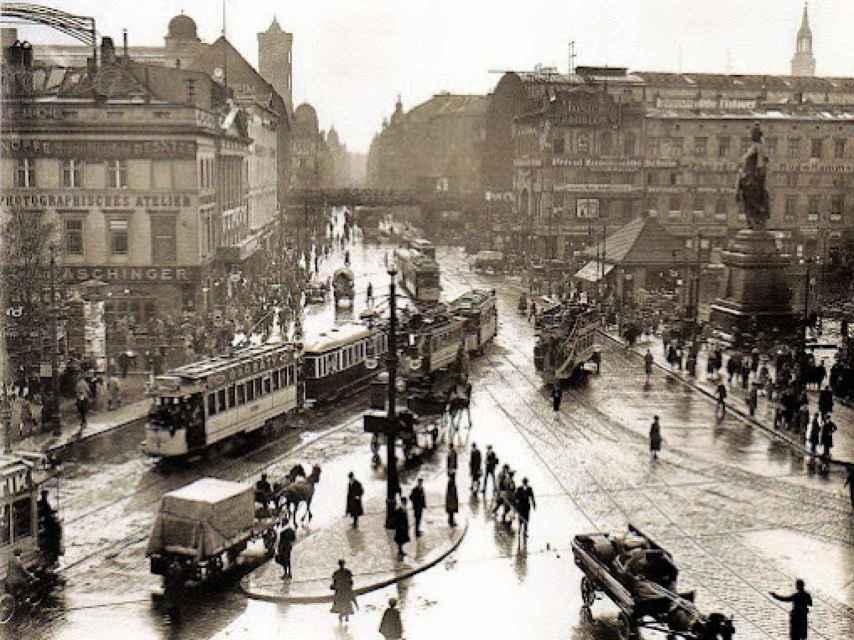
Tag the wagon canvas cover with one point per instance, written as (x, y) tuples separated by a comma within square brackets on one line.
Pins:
[(203, 518)]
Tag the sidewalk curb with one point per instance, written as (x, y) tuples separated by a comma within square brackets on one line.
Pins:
[(268, 596), (59, 448), (742, 415)]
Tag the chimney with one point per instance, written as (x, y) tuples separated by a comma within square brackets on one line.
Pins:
[(108, 51)]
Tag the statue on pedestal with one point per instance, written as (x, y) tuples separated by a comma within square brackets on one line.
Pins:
[(750, 192)]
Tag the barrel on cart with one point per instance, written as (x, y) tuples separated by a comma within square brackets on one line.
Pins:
[(202, 528)]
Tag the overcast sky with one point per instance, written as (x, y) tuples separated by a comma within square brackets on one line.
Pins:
[(352, 57)]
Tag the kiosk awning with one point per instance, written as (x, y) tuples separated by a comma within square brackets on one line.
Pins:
[(592, 271)]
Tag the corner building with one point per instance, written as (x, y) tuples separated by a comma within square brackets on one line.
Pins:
[(135, 183)]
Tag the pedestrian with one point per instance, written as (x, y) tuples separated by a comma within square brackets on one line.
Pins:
[(391, 627), (849, 482), (825, 401), (814, 434), (354, 499), (489, 468), (419, 504), (827, 430), (721, 396), (370, 295), (557, 396), (798, 618), (82, 407), (745, 373), (475, 461), (753, 400), (112, 392), (524, 500), (655, 437), (401, 528), (452, 458), (287, 538), (452, 504), (344, 598), (647, 364)]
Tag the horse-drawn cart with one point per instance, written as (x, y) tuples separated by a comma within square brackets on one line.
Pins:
[(640, 578)]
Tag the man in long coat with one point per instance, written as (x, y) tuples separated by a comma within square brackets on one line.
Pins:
[(452, 503), (475, 461), (524, 500), (355, 491), (342, 585), (798, 618), (419, 503)]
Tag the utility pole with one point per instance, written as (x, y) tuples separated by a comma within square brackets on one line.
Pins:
[(808, 262), (392, 484), (54, 348)]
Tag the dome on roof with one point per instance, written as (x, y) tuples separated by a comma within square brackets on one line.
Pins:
[(182, 27), (305, 118)]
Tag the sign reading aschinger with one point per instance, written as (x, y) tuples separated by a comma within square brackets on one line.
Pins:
[(98, 149)]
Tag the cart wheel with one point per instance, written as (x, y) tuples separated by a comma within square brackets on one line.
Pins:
[(588, 592), (7, 608), (626, 627)]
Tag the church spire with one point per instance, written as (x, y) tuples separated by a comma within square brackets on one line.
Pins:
[(803, 63)]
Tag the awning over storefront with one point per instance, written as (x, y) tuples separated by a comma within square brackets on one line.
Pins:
[(592, 271)]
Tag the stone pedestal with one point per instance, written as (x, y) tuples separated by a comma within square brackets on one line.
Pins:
[(755, 293)]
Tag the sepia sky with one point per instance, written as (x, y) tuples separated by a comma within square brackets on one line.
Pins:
[(352, 57)]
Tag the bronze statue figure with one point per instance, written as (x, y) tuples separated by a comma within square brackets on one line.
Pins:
[(751, 193)]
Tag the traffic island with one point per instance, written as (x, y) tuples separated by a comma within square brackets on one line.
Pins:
[(369, 551)]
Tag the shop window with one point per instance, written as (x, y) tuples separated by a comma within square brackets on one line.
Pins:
[(73, 233), (816, 145), (839, 148), (119, 237), (812, 208), (25, 173), (723, 147), (22, 518), (699, 204), (72, 173), (674, 179), (117, 174), (701, 147), (721, 209)]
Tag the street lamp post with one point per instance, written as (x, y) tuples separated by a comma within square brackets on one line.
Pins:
[(389, 425), (54, 409)]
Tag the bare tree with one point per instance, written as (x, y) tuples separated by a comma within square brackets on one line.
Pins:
[(25, 241)]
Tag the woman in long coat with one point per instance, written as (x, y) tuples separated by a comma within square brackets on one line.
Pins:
[(342, 585), (401, 528), (655, 437), (354, 499), (452, 503)]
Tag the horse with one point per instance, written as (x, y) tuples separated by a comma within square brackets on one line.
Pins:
[(297, 471), (301, 491), (459, 400)]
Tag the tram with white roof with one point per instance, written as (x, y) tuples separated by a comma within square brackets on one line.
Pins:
[(339, 361), (207, 402), (478, 308)]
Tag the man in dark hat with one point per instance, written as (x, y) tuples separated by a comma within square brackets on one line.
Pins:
[(799, 616)]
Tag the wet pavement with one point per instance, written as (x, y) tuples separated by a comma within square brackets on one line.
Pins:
[(740, 512)]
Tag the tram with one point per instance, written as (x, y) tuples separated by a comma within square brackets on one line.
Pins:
[(566, 341), (336, 363), (436, 338), (418, 274), (481, 317), (207, 402), (34, 529)]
